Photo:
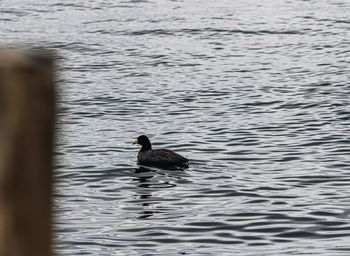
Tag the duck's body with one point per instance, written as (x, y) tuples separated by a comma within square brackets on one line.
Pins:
[(158, 157), (161, 157)]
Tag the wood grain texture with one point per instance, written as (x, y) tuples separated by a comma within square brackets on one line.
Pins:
[(27, 118)]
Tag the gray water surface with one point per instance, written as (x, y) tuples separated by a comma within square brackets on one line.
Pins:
[(255, 93)]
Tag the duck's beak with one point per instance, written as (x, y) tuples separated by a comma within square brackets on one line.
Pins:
[(135, 141)]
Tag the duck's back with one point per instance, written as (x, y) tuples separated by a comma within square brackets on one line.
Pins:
[(162, 158)]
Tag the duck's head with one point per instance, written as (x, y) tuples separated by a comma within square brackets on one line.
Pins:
[(144, 142)]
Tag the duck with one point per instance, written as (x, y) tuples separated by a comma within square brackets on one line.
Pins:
[(158, 157)]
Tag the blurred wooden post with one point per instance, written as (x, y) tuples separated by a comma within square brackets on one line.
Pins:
[(27, 117)]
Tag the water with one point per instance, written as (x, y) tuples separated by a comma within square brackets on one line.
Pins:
[(256, 93)]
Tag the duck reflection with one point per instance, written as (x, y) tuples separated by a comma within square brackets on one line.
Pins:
[(149, 178), (148, 182), (144, 214), (143, 176)]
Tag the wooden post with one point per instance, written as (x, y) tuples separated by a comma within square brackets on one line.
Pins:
[(27, 118)]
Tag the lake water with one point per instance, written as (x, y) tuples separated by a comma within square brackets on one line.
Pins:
[(255, 93)]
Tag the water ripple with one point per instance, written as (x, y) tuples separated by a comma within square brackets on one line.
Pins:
[(255, 94)]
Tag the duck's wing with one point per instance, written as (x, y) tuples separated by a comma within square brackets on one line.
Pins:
[(170, 155), (162, 157)]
